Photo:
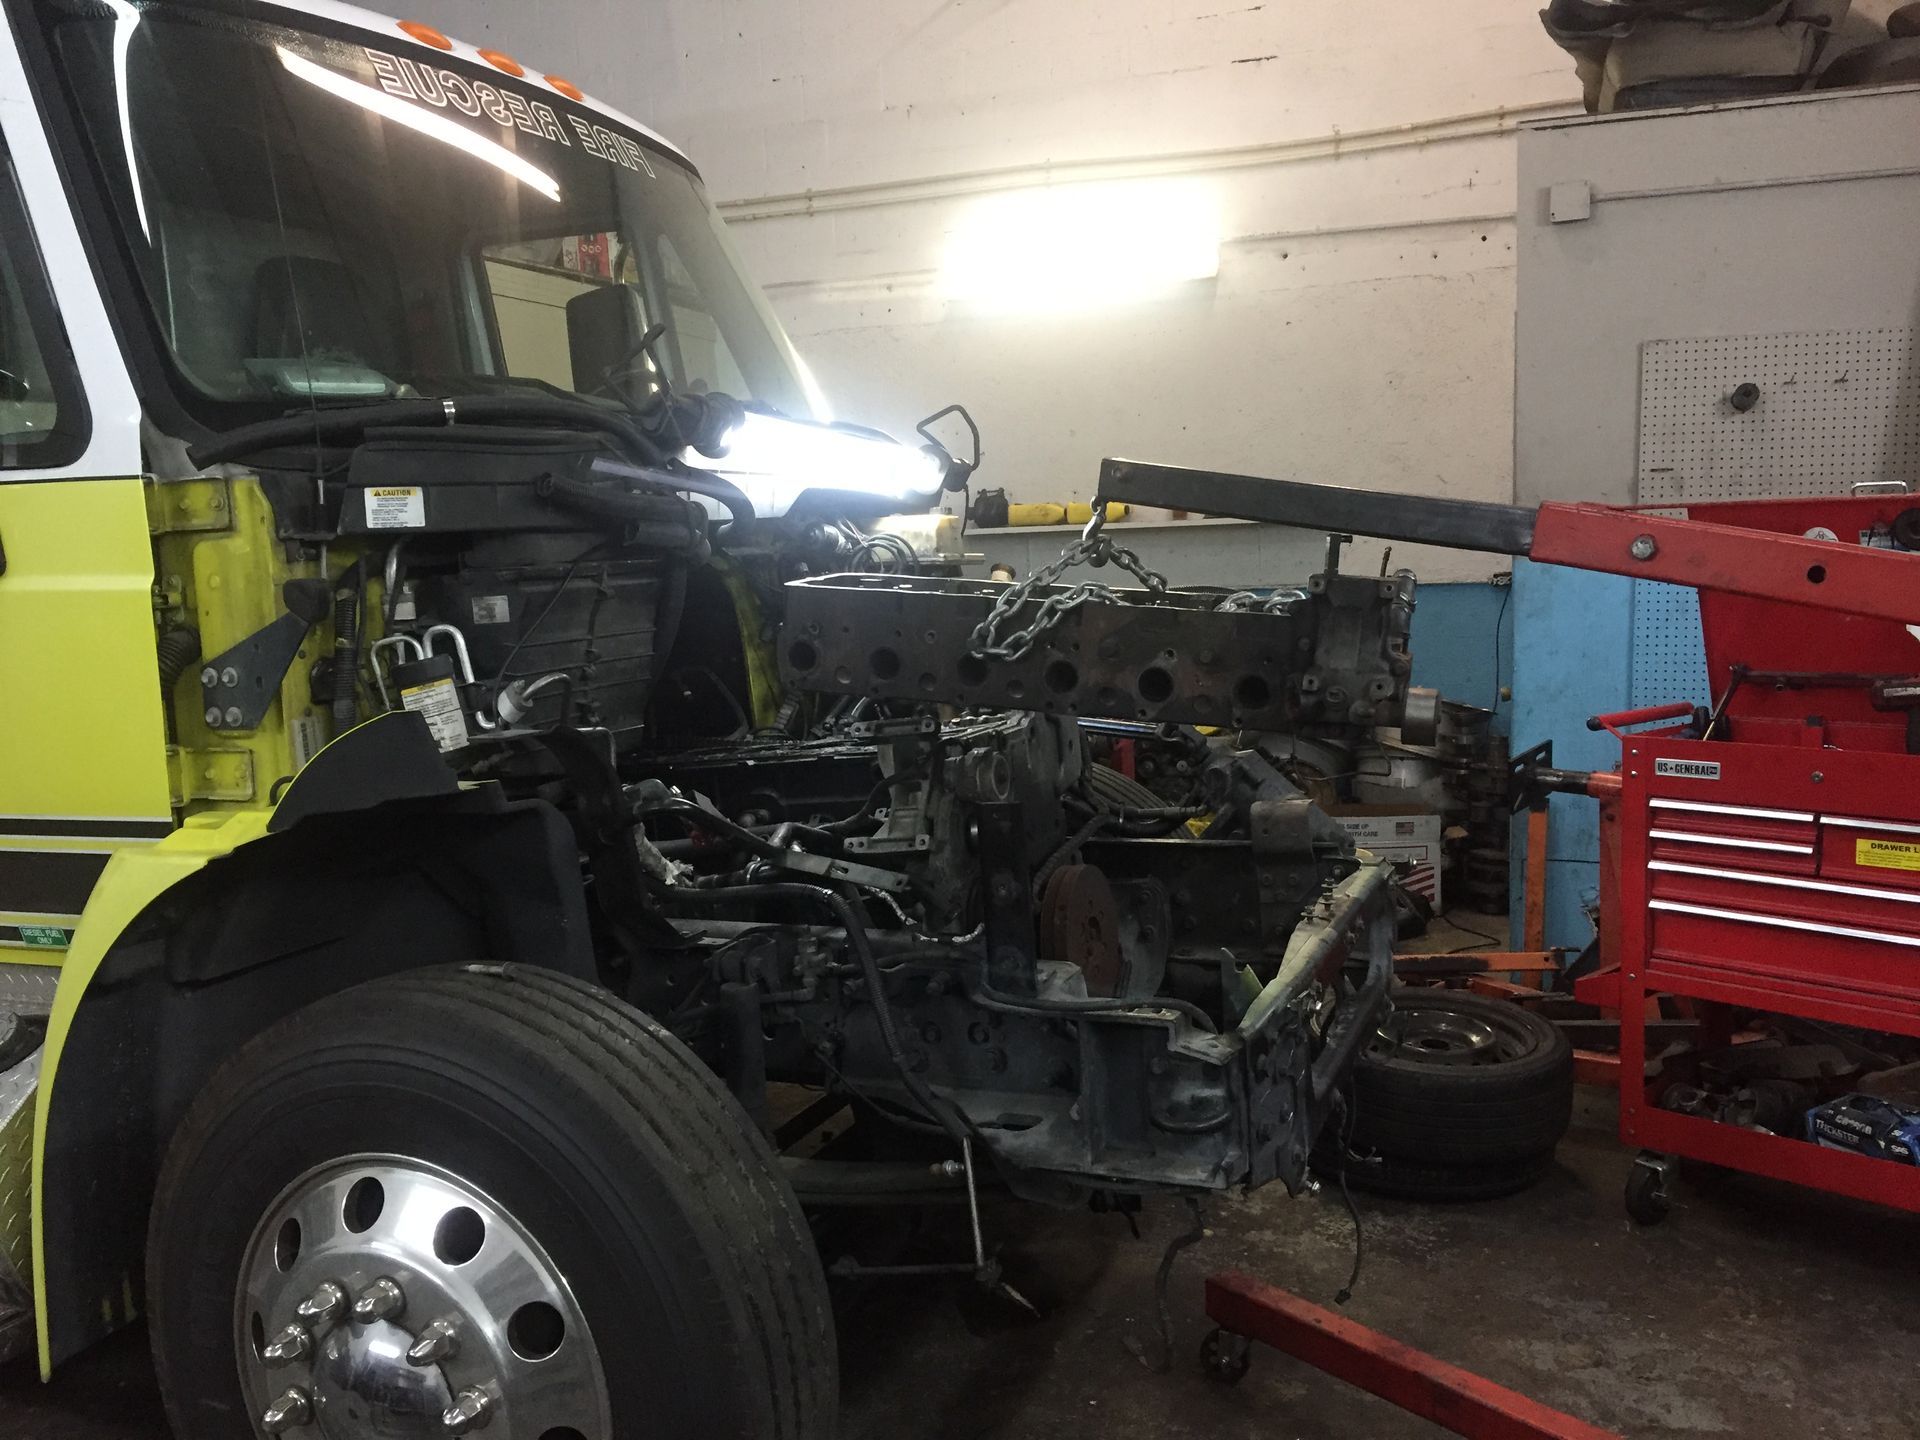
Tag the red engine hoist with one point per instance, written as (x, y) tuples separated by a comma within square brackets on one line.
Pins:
[(1762, 855)]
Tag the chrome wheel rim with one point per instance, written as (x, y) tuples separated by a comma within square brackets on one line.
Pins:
[(1428, 1036), (384, 1298)]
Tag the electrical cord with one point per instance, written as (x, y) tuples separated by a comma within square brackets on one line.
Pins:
[(1349, 1108), (1192, 1235), (1451, 923), (1506, 598), (559, 591), (1094, 825)]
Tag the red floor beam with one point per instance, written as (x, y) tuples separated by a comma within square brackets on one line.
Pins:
[(1414, 1381)]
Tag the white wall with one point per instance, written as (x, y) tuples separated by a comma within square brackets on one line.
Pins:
[(1361, 327)]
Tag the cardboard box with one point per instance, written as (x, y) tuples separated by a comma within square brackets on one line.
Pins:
[(1409, 836)]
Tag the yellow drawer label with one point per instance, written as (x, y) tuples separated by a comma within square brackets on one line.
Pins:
[(1887, 854)]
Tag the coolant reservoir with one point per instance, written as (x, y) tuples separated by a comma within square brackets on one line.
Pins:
[(934, 536)]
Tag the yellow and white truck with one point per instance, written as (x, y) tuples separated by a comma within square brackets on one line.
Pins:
[(421, 849)]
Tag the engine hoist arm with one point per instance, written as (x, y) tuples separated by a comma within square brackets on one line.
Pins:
[(1697, 550)]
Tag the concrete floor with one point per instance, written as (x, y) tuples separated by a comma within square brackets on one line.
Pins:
[(1756, 1310)]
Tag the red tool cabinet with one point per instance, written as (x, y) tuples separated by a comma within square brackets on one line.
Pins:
[(1775, 864)]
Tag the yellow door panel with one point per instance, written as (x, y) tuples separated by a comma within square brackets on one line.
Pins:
[(83, 749)]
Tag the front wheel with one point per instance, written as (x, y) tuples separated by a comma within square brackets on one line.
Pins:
[(483, 1198)]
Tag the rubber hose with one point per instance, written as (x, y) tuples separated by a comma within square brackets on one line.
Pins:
[(712, 486), (869, 969), (1106, 783), (351, 422), (178, 648), (346, 649)]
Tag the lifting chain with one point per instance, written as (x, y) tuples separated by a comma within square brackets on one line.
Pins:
[(1278, 602), (1092, 548)]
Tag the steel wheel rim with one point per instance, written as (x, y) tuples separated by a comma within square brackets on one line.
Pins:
[(1434, 1036), (381, 1296)]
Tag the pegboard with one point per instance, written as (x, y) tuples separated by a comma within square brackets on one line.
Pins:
[(1669, 653), (1835, 408)]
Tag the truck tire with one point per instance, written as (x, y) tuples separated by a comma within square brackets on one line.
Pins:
[(1455, 1079), (529, 1191)]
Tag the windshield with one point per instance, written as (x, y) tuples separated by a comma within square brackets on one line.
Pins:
[(319, 213)]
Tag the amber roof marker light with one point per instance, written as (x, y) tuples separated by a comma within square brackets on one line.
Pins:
[(566, 87), (426, 34), (500, 60)]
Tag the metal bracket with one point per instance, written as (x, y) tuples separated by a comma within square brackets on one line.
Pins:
[(238, 685), (904, 744), (188, 505), (210, 774), (1282, 836), (1005, 877), (827, 868)]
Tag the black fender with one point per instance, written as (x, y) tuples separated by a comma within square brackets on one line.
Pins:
[(345, 887)]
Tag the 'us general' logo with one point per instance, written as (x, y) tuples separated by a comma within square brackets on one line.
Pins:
[(1688, 769)]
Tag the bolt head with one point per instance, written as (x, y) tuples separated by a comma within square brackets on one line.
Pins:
[(325, 1305), (229, 677), (437, 1343), (290, 1346), (213, 715), (1644, 547), (232, 717), (292, 1409), (472, 1409), (382, 1300), (209, 676)]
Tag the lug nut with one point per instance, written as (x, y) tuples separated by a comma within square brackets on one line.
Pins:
[(290, 1345), (437, 1342), (381, 1300), (291, 1409), (324, 1306), (472, 1409)]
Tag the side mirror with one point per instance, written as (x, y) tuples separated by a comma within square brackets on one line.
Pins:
[(958, 471), (605, 331)]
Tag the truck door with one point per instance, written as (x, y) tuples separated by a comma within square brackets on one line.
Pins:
[(83, 765)]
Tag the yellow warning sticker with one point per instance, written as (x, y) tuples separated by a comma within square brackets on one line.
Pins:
[(1887, 854)]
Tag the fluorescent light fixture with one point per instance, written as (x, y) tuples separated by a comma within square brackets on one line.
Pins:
[(426, 122), (126, 20), (775, 461), (1073, 247)]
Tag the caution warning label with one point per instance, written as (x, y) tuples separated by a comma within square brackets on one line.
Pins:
[(438, 703), (1887, 854), (395, 507)]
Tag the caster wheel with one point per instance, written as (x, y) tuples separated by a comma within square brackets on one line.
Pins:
[(1647, 1198), (1225, 1357)]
